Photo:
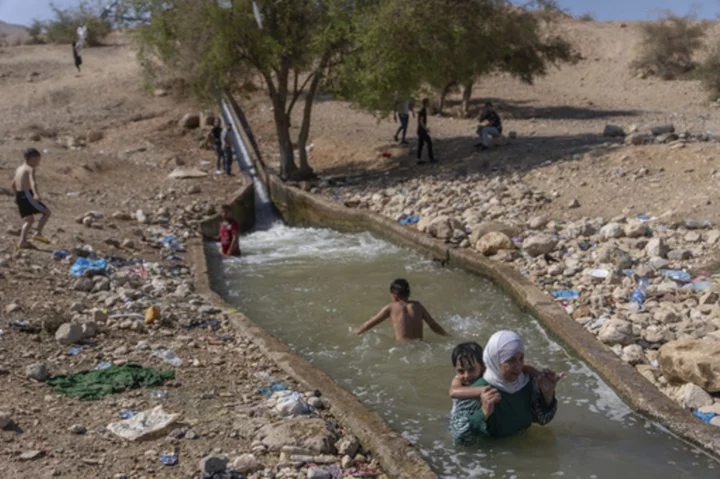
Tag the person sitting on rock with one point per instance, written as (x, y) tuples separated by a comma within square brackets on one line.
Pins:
[(490, 125), (514, 401), (407, 316), (229, 233)]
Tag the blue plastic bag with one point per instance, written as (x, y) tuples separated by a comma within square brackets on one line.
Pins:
[(677, 275), (566, 294), (83, 264), (704, 416)]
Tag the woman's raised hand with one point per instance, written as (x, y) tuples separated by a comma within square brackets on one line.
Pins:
[(489, 398)]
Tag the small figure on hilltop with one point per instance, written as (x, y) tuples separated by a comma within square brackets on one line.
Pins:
[(492, 126), (424, 134), (82, 34), (227, 148), (402, 112), (27, 199), (229, 233), (215, 139), (76, 55), (407, 316)]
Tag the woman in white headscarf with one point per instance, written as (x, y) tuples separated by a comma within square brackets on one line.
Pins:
[(513, 400)]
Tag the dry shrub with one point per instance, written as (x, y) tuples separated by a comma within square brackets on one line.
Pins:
[(668, 46), (587, 17), (709, 72)]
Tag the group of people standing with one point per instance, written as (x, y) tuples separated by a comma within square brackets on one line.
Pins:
[(490, 126), (221, 140)]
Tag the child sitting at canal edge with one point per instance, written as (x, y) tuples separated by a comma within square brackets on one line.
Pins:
[(467, 359), (229, 234), (407, 316)]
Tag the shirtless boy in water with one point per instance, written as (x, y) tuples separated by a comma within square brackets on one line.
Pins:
[(28, 199), (407, 316)]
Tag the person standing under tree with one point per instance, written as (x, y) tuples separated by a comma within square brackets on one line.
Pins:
[(402, 112), (424, 134)]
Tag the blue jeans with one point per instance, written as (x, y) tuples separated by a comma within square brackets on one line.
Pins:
[(404, 119), (487, 132), (228, 153)]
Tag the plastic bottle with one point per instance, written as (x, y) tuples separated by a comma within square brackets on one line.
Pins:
[(158, 394), (640, 292)]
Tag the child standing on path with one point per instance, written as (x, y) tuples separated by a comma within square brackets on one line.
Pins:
[(424, 134), (407, 316), (28, 199)]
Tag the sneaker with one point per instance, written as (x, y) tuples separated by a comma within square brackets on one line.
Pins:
[(395, 138), (41, 239)]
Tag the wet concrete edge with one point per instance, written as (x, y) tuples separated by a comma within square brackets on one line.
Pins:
[(300, 208), (396, 455)]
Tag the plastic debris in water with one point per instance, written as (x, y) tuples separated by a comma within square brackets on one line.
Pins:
[(566, 294), (677, 275), (169, 459)]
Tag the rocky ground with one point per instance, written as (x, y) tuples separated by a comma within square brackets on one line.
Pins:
[(109, 148)]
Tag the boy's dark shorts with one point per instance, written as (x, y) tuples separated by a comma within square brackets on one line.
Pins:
[(27, 205)]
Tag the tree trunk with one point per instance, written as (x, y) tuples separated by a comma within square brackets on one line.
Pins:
[(443, 95), (305, 170), (282, 127), (467, 95)]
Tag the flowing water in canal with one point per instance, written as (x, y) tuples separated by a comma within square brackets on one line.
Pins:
[(310, 287)]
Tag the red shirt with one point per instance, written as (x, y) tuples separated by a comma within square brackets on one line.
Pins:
[(228, 229)]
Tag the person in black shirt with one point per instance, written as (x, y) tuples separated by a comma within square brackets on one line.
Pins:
[(492, 126), (424, 134), (76, 55), (216, 138)]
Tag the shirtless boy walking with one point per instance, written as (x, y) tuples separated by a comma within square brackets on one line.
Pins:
[(407, 316), (28, 199)]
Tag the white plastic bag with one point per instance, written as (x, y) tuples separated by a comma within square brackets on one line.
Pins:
[(290, 402), (151, 422)]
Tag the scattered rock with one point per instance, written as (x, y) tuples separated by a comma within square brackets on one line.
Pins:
[(245, 464), (656, 247), (613, 131), (211, 465), (693, 397), (318, 473), (190, 120), (537, 222), (662, 129), (493, 242), (440, 227), (95, 136), (310, 434), (12, 308), (77, 429), (612, 230), (609, 254), (31, 455), (5, 420), (574, 204), (348, 445), (539, 245), (37, 371), (635, 229), (680, 255), (616, 331), (69, 333)]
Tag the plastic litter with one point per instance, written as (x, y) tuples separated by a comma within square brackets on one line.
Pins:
[(127, 414), (173, 257), (628, 272), (566, 294), (291, 402), (599, 273), (697, 224), (585, 245), (274, 387), (212, 324), (103, 365), (643, 217), (75, 351), (60, 254), (83, 264), (143, 424), (409, 220), (699, 286), (169, 458), (677, 275), (24, 326), (704, 416), (158, 394), (171, 358), (640, 292), (171, 243)]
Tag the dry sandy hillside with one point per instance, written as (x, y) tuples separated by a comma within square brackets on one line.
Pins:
[(12, 34), (559, 119)]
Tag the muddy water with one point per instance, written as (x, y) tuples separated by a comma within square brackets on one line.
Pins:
[(310, 287)]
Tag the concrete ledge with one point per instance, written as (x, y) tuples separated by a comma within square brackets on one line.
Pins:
[(242, 207), (396, 455), (299, 208)]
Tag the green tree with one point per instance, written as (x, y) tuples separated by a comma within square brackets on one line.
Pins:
[(62, 28), (225, 46), (436, 45)]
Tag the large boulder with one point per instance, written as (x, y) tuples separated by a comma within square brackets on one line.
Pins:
[(309, 434), (478, 231), (692, 361), (540, 244), (609, 254), (440, 227), (69, 333), (190, 120), (493, 242)]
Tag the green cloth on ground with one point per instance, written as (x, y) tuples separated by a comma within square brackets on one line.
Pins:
[(92, 385)]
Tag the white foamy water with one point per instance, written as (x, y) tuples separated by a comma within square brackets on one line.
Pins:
[(311, 287)]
